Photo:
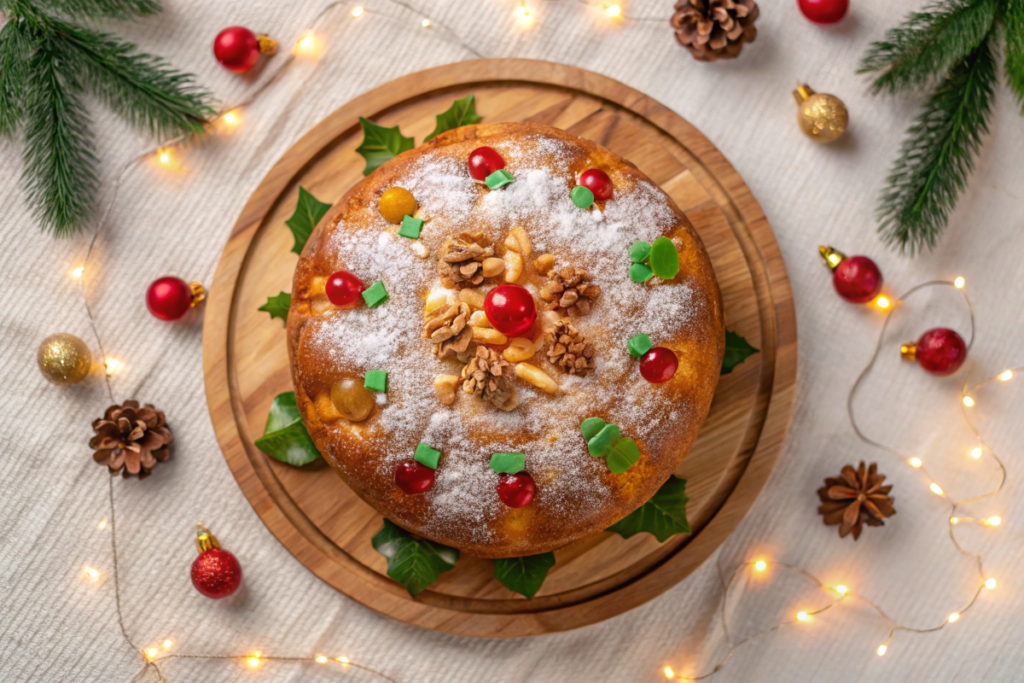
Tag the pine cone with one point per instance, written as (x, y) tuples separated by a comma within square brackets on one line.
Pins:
[(713, 29), (449, 329), (569, 350), (461, 260), (568, 291), (486, 376), (855, 498), (130, 439)]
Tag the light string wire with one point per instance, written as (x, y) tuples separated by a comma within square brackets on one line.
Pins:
[(841, 592)]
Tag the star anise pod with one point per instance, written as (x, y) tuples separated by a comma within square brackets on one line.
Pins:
[(855, 498), (130, 439)]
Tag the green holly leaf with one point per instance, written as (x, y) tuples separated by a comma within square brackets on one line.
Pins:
[(524, 575), (413, 562), (461, 113), (308, 212), (285, 437), (664, 515), (277, 306), (737, 349), (381, 144)]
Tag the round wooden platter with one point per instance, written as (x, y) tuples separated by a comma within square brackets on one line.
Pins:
[(328, 528)]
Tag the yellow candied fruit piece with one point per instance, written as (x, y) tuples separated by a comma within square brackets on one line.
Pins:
[(352, 400), (396, 203)]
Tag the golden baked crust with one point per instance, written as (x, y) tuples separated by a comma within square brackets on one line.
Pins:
[(576, 494)]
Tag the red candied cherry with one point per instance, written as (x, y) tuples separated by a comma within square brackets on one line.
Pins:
[(940, 351), (857, 279), (658, 365), (516, 490), (598, 182), (413, 477), (510, 309), (343, 288), (483, 161)]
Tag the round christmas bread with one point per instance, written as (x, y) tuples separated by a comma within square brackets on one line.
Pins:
[(505, 339)]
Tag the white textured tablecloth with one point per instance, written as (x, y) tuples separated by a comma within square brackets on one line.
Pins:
[(57, 627)]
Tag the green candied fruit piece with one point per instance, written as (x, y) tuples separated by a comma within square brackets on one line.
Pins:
[(376, 380)]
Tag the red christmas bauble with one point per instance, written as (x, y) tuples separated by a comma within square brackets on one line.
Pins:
[(824, 11), (414, 477), (516, 490), (343, 288), (483, 161), (510, 309), (237, 49), (169, 298), (658, 365), (941, 351), (598, 182), (857, 279), (216, 573)]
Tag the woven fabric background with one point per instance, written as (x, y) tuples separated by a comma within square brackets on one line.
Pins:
[(57, 627)]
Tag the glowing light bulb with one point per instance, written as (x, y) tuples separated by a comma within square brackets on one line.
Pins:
[(165, 157), (953, 617), (167, 644), (425, 23), (1006, 376), (320, 659), (77, 272), (229, 117), (915, 462), (614, 11), (254, 662), (102, 524), (994, 521), (990, 584), (842, 590), (669, 673), (976, 453), (882, 649), (92, 574), (803, 616), (112, 365), (357, 11), (968, 401), (936, 489), (306, 43), (343, 660), (760, 565), (522, 12), (151, 652), (882, 302), (958, 283), (954, 520)]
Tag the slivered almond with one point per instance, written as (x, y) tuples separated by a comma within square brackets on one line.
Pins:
[(488, 335), (519, 349), (479, 319), (492, 266), (513, 266), (536, 377), (525, 248)]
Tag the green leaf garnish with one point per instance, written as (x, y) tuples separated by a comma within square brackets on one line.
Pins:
[(524, 575), (664, 258), (638, 272), (737, 349), (582, 197), (285, 437), (508, 463), (664, 515), (308, 212), (591, 426), (381, 144), (461, 113), (639, 252), (277, 306), (623, 454), (639, 345), (413, 562), (499, 179), (603, 441)]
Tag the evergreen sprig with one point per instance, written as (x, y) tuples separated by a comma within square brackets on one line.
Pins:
[(47, 64), (950, 47)]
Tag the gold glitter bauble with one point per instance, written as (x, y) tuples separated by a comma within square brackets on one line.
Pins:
[(822, 117), (64, 359)]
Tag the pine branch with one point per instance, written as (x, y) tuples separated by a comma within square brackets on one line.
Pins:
[(15, 52), (938, 154), (1013, 24), (96, 9), (928, 43), (60, 174), (142, 88)]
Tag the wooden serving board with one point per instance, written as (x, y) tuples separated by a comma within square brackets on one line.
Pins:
[(328, 528)]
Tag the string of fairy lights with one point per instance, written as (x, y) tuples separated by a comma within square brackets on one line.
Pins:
[(310, 45), (839, 592)]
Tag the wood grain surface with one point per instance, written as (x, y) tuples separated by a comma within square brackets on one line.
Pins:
[(328, 528)]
